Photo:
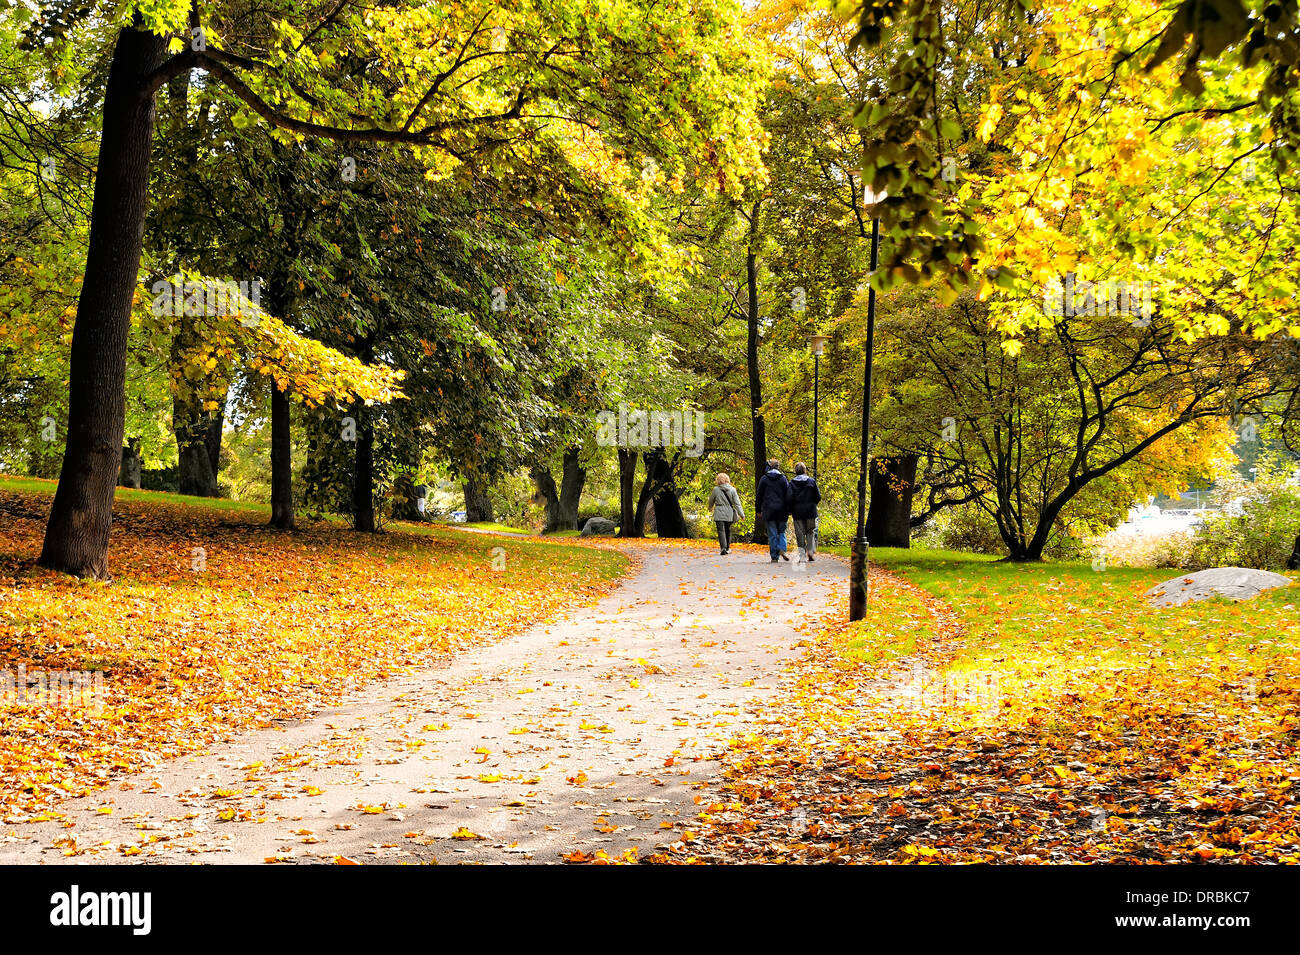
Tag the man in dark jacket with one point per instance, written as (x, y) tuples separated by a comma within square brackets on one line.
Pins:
[(804, 496), (772, 501)]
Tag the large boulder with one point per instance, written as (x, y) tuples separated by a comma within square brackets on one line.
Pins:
[(1235, 583), (597, 526)]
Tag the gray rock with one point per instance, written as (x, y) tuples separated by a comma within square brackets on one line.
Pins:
[(1235, 583), (597, 525)]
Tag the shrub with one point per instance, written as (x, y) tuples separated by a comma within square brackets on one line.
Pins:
[(1256, 526), (965, 527), (834, 528)]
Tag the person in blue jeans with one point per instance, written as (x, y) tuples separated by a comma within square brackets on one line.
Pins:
[(772, 503)]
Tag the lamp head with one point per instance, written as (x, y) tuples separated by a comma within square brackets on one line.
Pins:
[(872, 198)]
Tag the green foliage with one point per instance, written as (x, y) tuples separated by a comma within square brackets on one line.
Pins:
[(1255, 526), (941, 62), (966, 528)]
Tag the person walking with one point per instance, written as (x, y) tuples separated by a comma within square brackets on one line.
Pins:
[(724, 504), (772, 502), (804, 497)]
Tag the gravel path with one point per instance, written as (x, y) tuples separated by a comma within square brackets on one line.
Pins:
[(589, 733)]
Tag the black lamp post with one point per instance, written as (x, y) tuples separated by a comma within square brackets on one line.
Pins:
[(818, 345), (858, 558)]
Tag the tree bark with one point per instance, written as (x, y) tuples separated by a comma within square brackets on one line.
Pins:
[(198, 446), (81, 517), (661, 489), (572, 481), (131, 472), (281, 461), (546, 488), (216, 424), (752, 317), (642, 503), (363, 475), (627, 510), (669, 519), (889, 518), (1293, 562), (478, 506)]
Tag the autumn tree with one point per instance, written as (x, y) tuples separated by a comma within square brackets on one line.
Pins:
[(1094, 402), (462, 82), (1209, 59)]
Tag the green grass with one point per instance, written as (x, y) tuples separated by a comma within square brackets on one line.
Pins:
[(498, 528), (11, 482), (1079, 616), (1068, 615), (1020, 601)]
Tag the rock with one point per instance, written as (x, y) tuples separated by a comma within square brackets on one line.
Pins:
[(1235, 583), (597, 526)]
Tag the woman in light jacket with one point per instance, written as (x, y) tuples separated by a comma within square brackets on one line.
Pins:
[(724, 503)]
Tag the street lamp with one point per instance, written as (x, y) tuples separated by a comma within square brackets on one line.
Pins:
[(818, 345), (858, 558)]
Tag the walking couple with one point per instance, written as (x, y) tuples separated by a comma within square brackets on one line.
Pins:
[(779, 500)]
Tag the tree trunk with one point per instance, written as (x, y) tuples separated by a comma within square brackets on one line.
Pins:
[(661, 489), (405, 501), (198, 431), (669, 519), (363, 475), (889, 518), (572, 481), (198, 447), (627, 511), (76, 536), (546, 488), (478, 506), (216, 423), (645, 497), (196, 468), (752, 317), (281, 461), (131, 472), (1293, 562), (1033, 551)]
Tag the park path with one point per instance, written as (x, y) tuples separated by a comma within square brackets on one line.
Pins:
[(589, 732)]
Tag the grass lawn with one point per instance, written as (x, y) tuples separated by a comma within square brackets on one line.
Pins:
[(498, 527), (215, 623), (41, 487), (989, 711)]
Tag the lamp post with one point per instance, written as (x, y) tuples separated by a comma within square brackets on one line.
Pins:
[(858, 558), (818, 345)]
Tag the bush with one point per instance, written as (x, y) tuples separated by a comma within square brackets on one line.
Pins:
[(965, 527), (1256, 526), (1064, 547), (833, 528), (515, 503)]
